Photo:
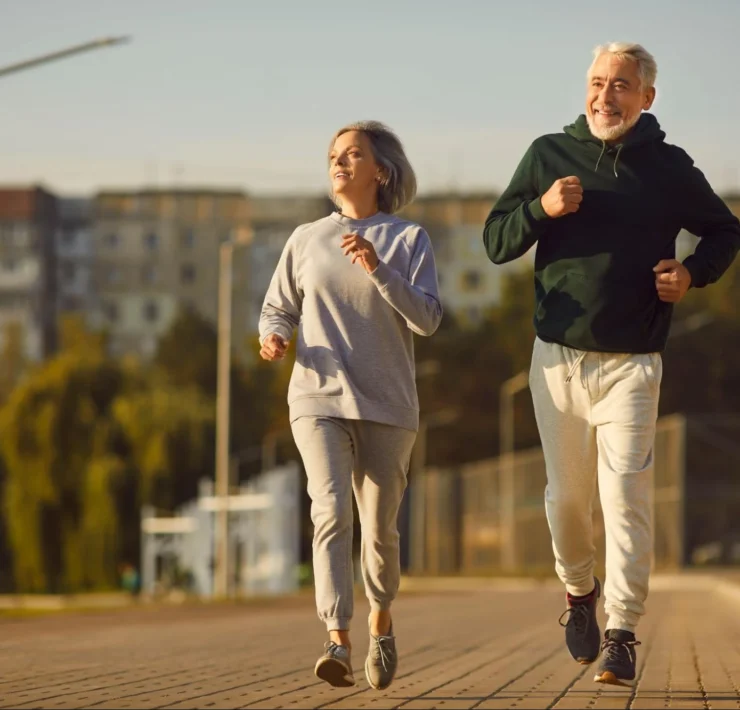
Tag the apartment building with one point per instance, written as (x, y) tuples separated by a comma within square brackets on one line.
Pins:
[(469, 283), (156, 252), (28, 224), (74, 256), (273, 221)]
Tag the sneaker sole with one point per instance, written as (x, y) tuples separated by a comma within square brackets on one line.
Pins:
[(372, 685), (334, 673), (590, 663), (608, 678)]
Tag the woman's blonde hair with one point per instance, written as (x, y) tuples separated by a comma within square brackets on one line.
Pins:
[(397, 186)]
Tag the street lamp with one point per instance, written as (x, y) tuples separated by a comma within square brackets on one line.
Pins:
[(238, 236), (507, 499), (443, 417), (53, 56)]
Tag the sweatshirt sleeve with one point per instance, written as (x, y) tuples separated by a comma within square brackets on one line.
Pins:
[(281, 310), (709, 218), (517, 220), (416, 299)]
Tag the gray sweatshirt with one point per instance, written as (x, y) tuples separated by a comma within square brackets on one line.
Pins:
[(355, 348)]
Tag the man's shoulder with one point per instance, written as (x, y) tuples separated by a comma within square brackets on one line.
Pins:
[(675, 154), (549, 139)]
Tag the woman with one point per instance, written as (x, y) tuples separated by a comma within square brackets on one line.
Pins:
[(355, 284)]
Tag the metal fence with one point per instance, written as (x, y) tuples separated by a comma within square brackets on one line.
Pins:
[(456, 514)]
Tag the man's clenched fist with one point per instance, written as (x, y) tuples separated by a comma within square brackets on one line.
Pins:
[(565, 196)]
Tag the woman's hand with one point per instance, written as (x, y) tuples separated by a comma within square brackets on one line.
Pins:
[(360, 249), (273, 348)]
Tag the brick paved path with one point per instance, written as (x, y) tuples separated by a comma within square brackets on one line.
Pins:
[(459, 649)]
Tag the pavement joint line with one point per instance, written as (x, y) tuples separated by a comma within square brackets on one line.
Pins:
[(568, 687), (540, 661), (513, 649)]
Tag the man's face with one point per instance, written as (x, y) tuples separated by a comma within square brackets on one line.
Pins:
[(615, 97)]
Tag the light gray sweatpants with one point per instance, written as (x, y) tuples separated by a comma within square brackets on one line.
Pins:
[(340, 455), (596, 414)]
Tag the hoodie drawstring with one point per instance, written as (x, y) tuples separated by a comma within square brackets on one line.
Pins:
[(575, 365), (601, 155), (616, 159)]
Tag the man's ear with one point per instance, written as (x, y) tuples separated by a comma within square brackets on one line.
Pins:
[(649, 98)]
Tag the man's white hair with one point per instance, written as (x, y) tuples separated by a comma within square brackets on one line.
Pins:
[(647, 68)]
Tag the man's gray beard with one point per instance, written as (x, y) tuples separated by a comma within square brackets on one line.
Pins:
[(611, 133)]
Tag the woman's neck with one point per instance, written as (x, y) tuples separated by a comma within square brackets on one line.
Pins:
[(359, 209)]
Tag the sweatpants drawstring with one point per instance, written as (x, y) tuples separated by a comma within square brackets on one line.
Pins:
[(575, 365)]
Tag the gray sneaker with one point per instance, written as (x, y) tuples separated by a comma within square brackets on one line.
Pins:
[(335, 666), (382, 661)]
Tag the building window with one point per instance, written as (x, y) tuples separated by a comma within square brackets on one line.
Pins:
[(114, 275), (112, 240), (71, 303), (69, 237), (150, 274), (471, 280), (69, 272), (111, 312), (187, 239), (151, 241), (151, 311), (187, 273)]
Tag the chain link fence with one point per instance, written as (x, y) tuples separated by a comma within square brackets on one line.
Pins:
[(456, 513)]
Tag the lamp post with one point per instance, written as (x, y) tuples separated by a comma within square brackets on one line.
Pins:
[(443, 417), (238, 236), (62, 54), (507, 498)]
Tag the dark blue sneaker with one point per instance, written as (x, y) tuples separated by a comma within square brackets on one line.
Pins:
[(582, 634), (617, 665)]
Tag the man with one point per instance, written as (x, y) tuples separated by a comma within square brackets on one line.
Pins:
[(604, 202)]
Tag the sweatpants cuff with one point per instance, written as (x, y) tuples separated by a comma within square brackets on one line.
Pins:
[(338, 623), (615, 622), (580, 590)]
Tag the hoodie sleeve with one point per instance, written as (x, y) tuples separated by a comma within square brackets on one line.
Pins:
[(281, 310), (517, 220), (415, 298), (709, 218)]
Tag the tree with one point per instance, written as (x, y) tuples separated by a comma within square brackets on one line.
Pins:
[(85, 442), (13, 361)]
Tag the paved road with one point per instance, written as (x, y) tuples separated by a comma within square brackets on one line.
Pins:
[(475, 648)]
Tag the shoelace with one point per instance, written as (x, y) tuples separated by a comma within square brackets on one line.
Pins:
[(332, 649), (579, 615), (614, 649), (382, 649)]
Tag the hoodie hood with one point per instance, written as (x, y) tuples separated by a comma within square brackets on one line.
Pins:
[(646, 130)]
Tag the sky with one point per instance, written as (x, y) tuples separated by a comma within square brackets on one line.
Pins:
[(246, 93)]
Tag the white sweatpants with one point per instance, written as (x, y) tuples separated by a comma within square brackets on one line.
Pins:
[(596, 414)]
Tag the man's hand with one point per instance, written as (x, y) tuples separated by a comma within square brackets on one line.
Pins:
[(672, 280), (565, 196), (359, 248), (273, 348)]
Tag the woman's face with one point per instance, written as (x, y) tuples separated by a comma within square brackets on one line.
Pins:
[(352, 168)]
